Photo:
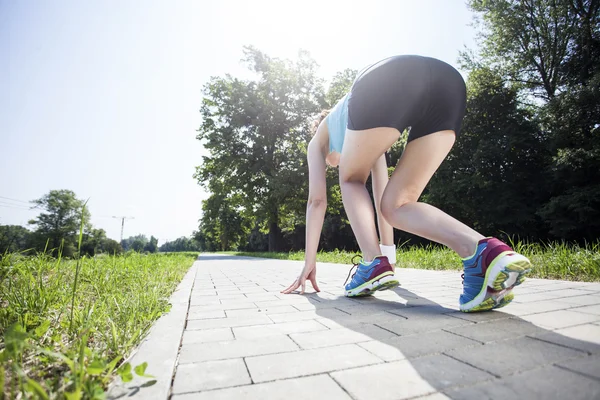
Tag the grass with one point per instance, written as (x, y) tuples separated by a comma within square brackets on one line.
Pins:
[(67, 326), (552, 260)]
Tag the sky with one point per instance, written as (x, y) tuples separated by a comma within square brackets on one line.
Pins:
[(102, 97)]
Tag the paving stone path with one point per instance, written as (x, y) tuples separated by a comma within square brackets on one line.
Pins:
[(245, 340)]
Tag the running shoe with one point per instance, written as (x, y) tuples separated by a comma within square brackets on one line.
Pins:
[(370, 277), (490, 276)]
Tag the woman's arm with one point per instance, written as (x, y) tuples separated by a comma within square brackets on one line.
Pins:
[(317, 199), (315, 214)]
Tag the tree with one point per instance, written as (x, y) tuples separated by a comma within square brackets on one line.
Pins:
[(137, 245), (92, 241), (183, 244), (222, 221), (61, 219), (528, 39), (340, 85), (256, 240), (201, 242), (583, 59), (127, 243), (152, 245), (573, 211), (256, 133), (551, 49), (111, 247), (14, 238)]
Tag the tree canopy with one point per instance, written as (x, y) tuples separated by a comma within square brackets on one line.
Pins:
[(256, 132)]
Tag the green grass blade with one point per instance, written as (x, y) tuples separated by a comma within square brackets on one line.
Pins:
[(33, 387), (78, 267)]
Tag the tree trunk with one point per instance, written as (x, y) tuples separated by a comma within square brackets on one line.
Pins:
[(274, 233), (224, 242)]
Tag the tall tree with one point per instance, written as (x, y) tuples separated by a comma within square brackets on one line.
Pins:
[(574, 210), (552, 49), (255, 131), (61, 219), (583, 60), (528, 39)]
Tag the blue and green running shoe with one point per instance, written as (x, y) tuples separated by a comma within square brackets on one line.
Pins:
[(490, 276), (370, 277)]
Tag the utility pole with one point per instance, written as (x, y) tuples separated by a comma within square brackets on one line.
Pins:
[(122, 225)]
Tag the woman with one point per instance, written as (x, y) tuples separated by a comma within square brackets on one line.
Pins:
[(429, 96)]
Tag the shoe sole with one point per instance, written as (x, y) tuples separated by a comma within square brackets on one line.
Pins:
[(384, 281), (508, 270)]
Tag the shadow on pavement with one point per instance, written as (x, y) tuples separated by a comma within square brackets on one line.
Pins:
[(431, 348)]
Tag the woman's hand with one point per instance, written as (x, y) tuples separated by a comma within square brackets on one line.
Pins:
[(309, 273)]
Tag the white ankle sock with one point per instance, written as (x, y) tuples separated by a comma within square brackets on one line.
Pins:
[(389, 252)]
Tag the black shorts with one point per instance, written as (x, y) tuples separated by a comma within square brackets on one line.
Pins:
[(422, 93)]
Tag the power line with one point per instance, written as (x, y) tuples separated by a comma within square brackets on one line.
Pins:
[(9, 198), (7, 203), (15, 207)]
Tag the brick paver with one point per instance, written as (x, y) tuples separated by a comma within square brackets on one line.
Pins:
[(244, 340)]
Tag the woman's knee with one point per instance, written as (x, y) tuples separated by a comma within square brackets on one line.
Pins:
[(391, 202), (353, 177)]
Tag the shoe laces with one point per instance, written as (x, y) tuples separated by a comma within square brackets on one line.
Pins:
[(355, 264)]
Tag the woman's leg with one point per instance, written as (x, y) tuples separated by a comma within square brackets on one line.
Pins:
[(379, 177), (360, 152), (421, 158), (493, 268)]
